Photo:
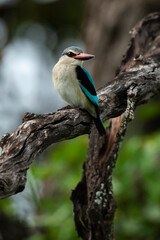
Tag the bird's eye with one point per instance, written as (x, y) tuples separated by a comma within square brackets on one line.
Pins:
[(71, 54)]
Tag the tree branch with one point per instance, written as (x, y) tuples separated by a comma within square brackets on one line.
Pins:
[(139, 71)]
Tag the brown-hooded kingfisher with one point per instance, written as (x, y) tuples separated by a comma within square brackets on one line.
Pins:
[(75, 85)]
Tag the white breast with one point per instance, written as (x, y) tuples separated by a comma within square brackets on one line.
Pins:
[(68, 87), (65, 83)]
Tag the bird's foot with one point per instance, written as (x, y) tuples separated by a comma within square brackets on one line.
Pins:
[(67, 107)]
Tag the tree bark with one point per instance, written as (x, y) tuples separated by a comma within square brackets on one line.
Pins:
[(137, 81)]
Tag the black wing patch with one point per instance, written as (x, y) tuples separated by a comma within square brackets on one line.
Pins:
[(85, 81)]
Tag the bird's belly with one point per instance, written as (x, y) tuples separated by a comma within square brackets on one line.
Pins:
[(71, 93), (68, 88), (76, 98)]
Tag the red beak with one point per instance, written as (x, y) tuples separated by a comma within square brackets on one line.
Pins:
[(84, 56)]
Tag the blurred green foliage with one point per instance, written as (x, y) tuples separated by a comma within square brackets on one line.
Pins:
[(63, 16), (136, 188)]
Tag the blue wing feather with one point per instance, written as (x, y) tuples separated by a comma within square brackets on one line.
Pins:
[(88, 88), (92, 98), (87, 84)]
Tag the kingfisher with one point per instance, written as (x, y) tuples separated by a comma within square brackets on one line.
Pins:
[(75, 85)]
